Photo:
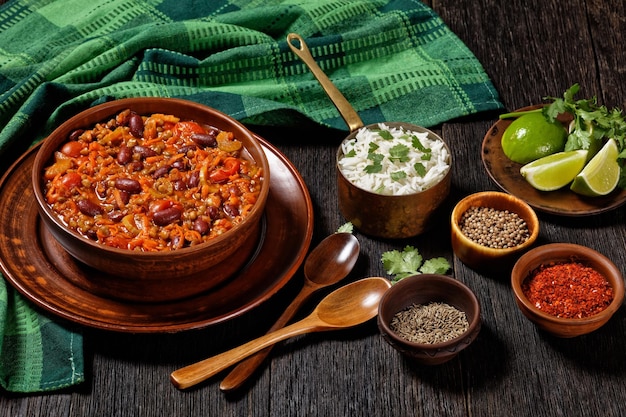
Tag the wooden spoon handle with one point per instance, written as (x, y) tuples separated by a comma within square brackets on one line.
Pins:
[(200, 371), (243, 370)]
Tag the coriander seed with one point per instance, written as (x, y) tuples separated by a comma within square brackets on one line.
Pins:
[(497, 229)]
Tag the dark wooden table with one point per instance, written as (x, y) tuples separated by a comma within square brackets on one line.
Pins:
[(530, 49)]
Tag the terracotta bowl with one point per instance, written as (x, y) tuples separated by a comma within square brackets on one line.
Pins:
[(156, 276), (484, 258), (422, 289), (559, 253), (390, 216)]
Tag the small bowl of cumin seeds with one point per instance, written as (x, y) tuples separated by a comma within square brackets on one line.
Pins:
[(429, 318), (490, 230)]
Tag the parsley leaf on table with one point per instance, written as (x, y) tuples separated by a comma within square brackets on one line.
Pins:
[(345, 228), (410, 262)]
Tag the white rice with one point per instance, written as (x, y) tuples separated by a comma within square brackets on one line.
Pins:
[(395, 177)]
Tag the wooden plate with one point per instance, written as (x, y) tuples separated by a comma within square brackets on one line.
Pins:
[(288, 232), (505, 173)]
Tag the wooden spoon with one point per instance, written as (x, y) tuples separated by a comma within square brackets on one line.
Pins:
[(345, 307), (330, 262)]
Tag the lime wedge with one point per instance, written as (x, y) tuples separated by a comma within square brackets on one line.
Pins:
[(601, 174), (554, 171)]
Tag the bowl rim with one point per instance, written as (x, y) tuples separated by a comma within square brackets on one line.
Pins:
[(584, 252), (456, 214), (448, 280), (410, 126), (109, 109)]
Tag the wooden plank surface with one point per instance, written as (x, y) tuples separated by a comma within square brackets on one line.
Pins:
[(530, 49)]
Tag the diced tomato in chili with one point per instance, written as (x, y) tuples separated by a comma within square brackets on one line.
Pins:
[(186, 129), (230, 167), (71, 180), (72, 148)]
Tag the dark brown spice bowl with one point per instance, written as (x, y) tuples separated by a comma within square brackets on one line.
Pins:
[(165, 275), (392, 216), (556, 253), (423, 289), (483, 258)]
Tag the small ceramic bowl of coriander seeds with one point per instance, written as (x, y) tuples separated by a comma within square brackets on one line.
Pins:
[(429, 318), (490, 230)]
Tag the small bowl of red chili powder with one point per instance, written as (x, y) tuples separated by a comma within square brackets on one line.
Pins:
[(566, 289)]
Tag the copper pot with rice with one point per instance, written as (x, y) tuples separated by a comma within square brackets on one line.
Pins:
[(401, 199), (378, 208)]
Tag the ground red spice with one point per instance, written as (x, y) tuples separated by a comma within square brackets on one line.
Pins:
[(568, 290)]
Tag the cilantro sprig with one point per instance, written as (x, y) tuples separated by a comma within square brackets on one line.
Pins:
[(409, 262), (592, 122)]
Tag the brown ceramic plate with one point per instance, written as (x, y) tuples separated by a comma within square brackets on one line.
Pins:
[(505, 173), (37, 266)]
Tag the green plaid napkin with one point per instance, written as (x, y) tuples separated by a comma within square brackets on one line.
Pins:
[(394, 60), (36, 354)]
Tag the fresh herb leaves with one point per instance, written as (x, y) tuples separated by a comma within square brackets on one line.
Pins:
[(419, 168), (347, 227), (376, 165), (409, 262), (398, 175), (592, 125), (399, 152)]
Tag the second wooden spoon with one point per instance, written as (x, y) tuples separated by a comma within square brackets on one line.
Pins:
[(345, 307), (330, 262)]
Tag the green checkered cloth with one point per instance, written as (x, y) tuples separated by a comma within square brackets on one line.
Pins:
[(394, 60)]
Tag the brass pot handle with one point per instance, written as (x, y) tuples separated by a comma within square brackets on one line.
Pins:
[(346, 110)]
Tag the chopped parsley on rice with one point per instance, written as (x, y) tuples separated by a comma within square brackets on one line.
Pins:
[(393, 161)]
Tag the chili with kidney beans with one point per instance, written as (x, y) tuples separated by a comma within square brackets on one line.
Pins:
[(568, 290), (151, 183)]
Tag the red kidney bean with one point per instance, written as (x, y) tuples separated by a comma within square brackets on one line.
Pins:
[(128, 184), (167, 215), (213, 212), (179, 185), (194, 179), (160, 172), (116, 216), (175, 241), (125, 196), (205, 140), (135, 166), (201, 226), (231, 210), (185, 149), (144, 151), (125, 155), (89, 208), (76, 133), (180, 165), (135, 125)]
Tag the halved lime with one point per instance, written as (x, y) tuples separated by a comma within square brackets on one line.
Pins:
[(601, 174), (554, 171), (531, 137)]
